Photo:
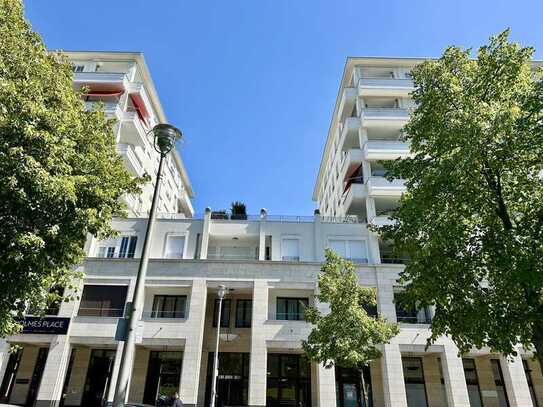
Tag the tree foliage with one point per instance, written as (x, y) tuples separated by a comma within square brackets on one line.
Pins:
[(471, 220), (60, 176), (346, 336)]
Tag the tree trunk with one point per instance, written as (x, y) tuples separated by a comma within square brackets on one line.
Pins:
[(363, 387)]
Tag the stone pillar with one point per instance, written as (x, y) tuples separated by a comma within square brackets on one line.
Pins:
[(205, 234), (516, 384), (326, 386), (259, 354), (393, 380), (139, 375), (192, 354), (115, 371), (52, 381), (78, 376), (537, 379), (318, 244), (455, 380), (385, 295), (487, 384), (4, 357)]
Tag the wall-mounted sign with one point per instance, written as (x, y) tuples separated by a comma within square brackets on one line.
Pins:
[(45, 325)]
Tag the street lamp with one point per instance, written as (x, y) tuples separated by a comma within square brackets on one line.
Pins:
[(164, 138), (222, 292)]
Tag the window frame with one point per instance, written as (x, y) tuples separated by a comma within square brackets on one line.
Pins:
[(291, 258), (299, 315), (173, 235), (244, 322), (113, 250), (347, 240), (159, 314), (100, 310)]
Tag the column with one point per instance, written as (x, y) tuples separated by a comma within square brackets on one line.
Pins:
[(487, 384), (326, 386), (455, 380), (139, 375), (205, 234), (318, 245), (516, 385), (192, 354), (373, 237), (262, 235), (393, 381), (432, 380), (115, 372), (385, 295), (52, 381), (259, 354)]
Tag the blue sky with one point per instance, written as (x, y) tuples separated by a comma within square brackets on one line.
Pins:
[(252, 83)]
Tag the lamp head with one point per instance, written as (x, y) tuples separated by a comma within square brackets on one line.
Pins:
[(164, 137)]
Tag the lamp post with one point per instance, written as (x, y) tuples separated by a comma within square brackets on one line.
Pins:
[(221, 294), (164, 138)]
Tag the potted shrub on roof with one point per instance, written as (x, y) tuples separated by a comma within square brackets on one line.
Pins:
[(238, 211), (219, 214)]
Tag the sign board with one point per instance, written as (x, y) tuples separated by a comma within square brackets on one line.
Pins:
[(45, 325)]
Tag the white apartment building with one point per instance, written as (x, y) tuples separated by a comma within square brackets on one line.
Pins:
[(122, 82), (71, 357)]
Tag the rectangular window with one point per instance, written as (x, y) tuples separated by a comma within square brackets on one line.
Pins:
[(290, 249), (415, 387), (288, 380), (122, 247), (472, 382), (352, 250), (528, 373), (78, 68), (291, 309), (500, 385), (103, 300), (174, 247), (244, 313), (407, 312), (169, 306), (225, 313)]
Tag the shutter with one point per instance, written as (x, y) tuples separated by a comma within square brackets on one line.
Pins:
[(290, 249), (174, 247)]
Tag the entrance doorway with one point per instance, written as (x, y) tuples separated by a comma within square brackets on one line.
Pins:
[(348, 388), (233, 379), (9, 375), (98, 377), (163, 376), (289, 381), (36, 377)]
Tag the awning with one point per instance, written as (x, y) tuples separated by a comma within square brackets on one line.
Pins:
[(139, 105), (350, 178)]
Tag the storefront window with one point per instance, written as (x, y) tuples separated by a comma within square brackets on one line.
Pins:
[(289, 381), (472, 382), (291, 308), (233, 379), (163, 376), (415, 387)]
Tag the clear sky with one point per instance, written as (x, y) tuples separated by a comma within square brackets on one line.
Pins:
[(252, 83)]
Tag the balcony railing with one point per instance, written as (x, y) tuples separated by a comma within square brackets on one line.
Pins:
[(101, 312), (164, 314)]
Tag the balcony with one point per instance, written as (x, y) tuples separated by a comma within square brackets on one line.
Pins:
[(347, 101), (101, 80), (384, 116), (352, 159), (374, 150), (384, 87), (349, 133), (133, 131), (111, 110), (355, 195), (232, 253), (131, 159), (380, 186)]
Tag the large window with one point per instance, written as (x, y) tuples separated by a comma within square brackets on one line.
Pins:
[(244, 313), (348, 387), (169, 306), (353, 250), (225, 313), (163, 375), (175, 245), (291, 309), (290, 249), (500, 384), (472, 382), (415, 387), (232, 381), (408, 312), (289, 381), (528, 373), (122, 247), (103, 300)]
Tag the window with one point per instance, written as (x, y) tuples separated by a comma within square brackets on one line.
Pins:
[(290, 249), (288, 380), (174, 247), (78, 68), (123, 247), (291, 309), (103, 300), (244, 313), (353, 250), (408, 312), (472, 382), (500, 385), (225, 313), (415, 387), (169, 306), (232, 380), (528, 373)]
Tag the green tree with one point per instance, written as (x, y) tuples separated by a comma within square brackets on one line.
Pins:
[(471, 220), (346, 336), (60, 177)]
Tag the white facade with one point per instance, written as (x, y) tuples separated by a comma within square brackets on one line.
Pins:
[(271, 263), (122, 82)]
